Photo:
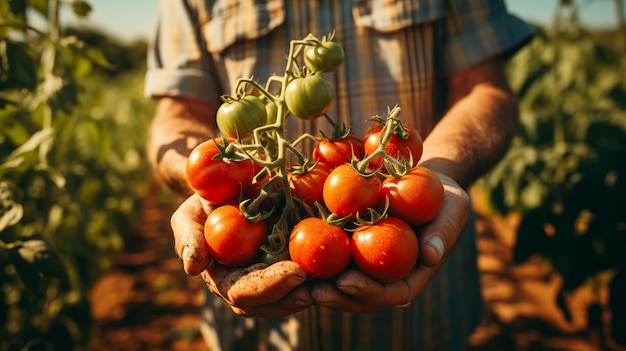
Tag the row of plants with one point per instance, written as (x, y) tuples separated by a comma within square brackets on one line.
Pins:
[(73, 172), (566, 171)]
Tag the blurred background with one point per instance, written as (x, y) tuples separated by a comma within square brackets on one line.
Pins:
[(86, 255)]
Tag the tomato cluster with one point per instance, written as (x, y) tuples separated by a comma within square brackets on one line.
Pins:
[(351, 202)]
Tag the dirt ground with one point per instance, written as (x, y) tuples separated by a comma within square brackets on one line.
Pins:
[(146, 302)]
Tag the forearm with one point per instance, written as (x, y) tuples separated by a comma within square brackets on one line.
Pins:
[(178, 126), (477, 130)]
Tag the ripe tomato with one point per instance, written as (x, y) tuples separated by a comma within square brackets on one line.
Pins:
[(321, 249), (239, 117), (309, 186), (338, 152), (217, 181), (396, 147), (415, 197), (386, 251), (308, 97), (346, 192), (326, 56), (232, 240)]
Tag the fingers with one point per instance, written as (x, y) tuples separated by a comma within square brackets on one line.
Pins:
[(188, 227), (354, 291), (437, 238), (261, 290), (296, 301)]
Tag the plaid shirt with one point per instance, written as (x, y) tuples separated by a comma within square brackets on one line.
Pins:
[(397, 52)]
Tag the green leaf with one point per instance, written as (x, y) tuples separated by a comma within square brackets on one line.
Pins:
[(33, 143), (11, 212), (18, 8), (82, 9), (36, 260), (18, 67), (40, 6)]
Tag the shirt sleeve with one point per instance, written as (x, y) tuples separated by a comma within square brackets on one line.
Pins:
[(479, 30), (177, 61)]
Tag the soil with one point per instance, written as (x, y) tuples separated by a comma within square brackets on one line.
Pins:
[(146, 302)]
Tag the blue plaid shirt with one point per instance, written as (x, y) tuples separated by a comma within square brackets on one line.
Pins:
[(397, 52)]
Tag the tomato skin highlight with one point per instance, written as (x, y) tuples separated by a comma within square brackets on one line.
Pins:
[(321, 249), (232, 240), (308, 97), (397, 147), (346, 192), (338, 152), (240, 117), (386, 251), (416, 197), (217, 181)]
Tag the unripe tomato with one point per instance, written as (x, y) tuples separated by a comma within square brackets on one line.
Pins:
[(415, 197), (326, 56), (386, 251), (308, 97), (232, 240), (321, 249), (240, 117), (217, 181)]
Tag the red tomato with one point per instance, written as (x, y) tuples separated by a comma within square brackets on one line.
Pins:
[(346, 192), (217, 181), (386, 251), (415, 197), (338, 152), (232, 240), (396, 147), (309, 186), (321, 249)]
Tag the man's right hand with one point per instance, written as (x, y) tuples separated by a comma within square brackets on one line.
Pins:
[(258, 290)]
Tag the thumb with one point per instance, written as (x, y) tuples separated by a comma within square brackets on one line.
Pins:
[(187, 224)]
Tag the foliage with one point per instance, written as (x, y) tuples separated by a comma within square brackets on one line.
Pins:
[(72, 173), (566, 172)]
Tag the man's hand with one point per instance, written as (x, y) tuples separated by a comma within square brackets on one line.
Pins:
[(258, 290), (354, 291)]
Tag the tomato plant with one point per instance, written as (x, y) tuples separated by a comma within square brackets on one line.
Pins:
[(239, 117), (338, 152), (233, 240), (407, 148), (386, 251), (217, 181), (308, 186), (416, 197), (347, 192), (326, 56), (320, 248), (308, 97)]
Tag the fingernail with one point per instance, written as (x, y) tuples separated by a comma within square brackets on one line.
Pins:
[(436, 243), (350, 290), (183, 254)]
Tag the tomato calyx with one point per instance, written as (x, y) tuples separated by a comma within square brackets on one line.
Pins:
[(373, 216), (228, 151), (392, 165)]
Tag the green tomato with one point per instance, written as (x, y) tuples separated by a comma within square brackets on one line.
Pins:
[(240, 117), (309, 97), (326, 56), (272, 112)]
